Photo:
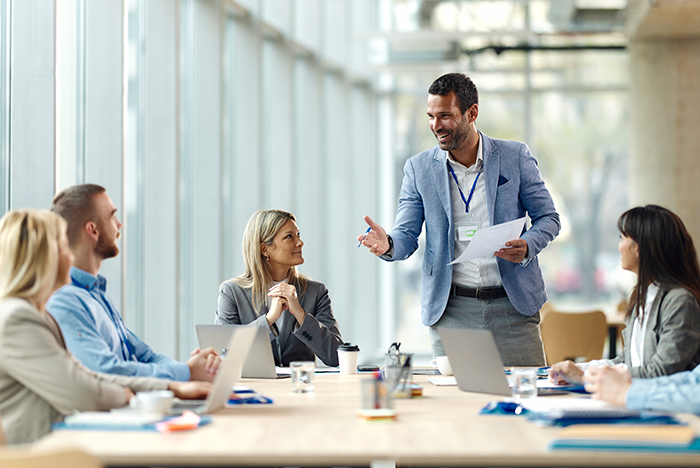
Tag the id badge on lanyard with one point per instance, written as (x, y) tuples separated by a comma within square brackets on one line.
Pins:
[(465, 229)]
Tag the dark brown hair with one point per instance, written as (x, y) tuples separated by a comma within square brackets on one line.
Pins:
[(463, 87), (75, 205), (667, 256)]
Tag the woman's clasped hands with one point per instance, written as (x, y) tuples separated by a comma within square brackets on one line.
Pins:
[(284, 296)]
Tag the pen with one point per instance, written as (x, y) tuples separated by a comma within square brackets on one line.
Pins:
[(363, 237)]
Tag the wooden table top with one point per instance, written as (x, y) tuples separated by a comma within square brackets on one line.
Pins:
[(322, 429)]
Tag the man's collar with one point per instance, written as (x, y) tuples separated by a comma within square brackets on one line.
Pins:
[(86, 280), (479, 155)]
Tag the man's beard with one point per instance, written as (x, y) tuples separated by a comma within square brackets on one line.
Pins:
[(458, 136), (107, 249)]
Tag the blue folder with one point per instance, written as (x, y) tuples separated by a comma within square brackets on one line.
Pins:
[(624, 446)]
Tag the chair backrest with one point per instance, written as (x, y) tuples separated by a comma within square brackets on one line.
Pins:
[(27, 458), (572, 335)]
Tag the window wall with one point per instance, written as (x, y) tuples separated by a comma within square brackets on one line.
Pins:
[(194, 114), (569, 106)]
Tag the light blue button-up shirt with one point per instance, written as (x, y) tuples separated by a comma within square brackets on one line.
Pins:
[(678, 392), (95, 333)]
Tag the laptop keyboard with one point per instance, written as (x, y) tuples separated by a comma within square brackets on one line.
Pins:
[(188, 404)]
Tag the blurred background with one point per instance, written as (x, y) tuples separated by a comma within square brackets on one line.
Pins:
[(196, 113)]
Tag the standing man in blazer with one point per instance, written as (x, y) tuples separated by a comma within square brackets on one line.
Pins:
[(469, 182)]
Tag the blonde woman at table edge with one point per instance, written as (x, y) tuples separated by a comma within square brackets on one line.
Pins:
[(271, 293), (662, 334), (40, 381)]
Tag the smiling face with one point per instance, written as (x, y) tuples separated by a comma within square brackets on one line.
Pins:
[(451, 128), (286, 249), (629, 252)]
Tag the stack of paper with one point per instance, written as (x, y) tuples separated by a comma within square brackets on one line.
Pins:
[(568, 411)]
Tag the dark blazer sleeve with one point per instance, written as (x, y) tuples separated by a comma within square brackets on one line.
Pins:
[(235, 308), (673, 344), (320, 331)]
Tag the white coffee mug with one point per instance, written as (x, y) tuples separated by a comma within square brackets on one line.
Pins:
[(154, 402), (443, 365)]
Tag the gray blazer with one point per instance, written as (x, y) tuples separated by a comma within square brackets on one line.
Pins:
[(41, 382), (319, 335), (672, 336)]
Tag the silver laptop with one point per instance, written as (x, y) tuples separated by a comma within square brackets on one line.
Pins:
[(476, 362), (239, 345), (260, 363)]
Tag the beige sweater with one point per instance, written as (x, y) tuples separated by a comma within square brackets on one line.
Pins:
[(41, 382)]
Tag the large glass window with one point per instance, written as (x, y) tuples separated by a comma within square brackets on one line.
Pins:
[(569, 106), (4, 106), (133, 212)]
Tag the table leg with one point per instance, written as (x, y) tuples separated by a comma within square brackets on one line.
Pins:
[(383, 464)]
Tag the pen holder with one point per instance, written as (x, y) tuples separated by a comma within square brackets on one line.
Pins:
[(375, 395), (398, 373)]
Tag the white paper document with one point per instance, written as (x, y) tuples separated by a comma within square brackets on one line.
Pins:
[(442, 381), (576, 407), (490, 239)]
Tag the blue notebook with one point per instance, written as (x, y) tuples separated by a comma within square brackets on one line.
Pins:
[(104, 423), (617, 446), (630, 438)]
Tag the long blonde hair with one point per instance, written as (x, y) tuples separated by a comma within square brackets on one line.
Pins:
[(262, 227), (29, 253)]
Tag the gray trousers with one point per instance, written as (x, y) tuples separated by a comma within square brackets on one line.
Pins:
[(517, 336)]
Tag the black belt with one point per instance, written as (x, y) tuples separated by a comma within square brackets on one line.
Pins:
[(483, 294)]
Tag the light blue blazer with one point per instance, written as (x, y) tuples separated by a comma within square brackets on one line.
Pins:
[(514, 187)]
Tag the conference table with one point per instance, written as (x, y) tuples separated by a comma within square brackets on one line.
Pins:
[(443, 428)]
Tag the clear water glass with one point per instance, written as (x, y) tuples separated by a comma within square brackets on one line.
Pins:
[(524, 383), (302, 376)]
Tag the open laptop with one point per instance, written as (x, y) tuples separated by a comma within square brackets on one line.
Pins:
[(239, 345), (260, 363), (476, 362), (477, 366)]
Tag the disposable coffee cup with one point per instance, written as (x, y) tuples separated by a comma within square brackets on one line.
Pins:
[(347, 358)]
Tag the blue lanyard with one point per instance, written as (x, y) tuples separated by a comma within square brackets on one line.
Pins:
[(118, 325), (122, 332), (461, 194)]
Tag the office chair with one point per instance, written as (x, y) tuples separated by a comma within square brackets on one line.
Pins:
[(573, 335)]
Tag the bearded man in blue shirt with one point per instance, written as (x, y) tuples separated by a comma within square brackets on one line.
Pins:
[(92, 327)]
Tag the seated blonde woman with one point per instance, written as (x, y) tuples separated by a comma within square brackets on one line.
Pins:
[(40, 381), (273, 294)]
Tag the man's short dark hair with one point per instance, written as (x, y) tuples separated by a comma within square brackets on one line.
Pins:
[(75, 205), (463, 87)]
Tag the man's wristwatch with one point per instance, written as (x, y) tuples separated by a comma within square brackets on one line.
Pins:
[(390, 251)]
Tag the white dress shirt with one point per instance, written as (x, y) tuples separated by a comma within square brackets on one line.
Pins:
[(639, 328), (480, 272)]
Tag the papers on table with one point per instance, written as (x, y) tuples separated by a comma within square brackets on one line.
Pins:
[(118, 419), (442, 381), (319, 370), (545, 383), (576, 407), (542, 384), (490, 239)]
